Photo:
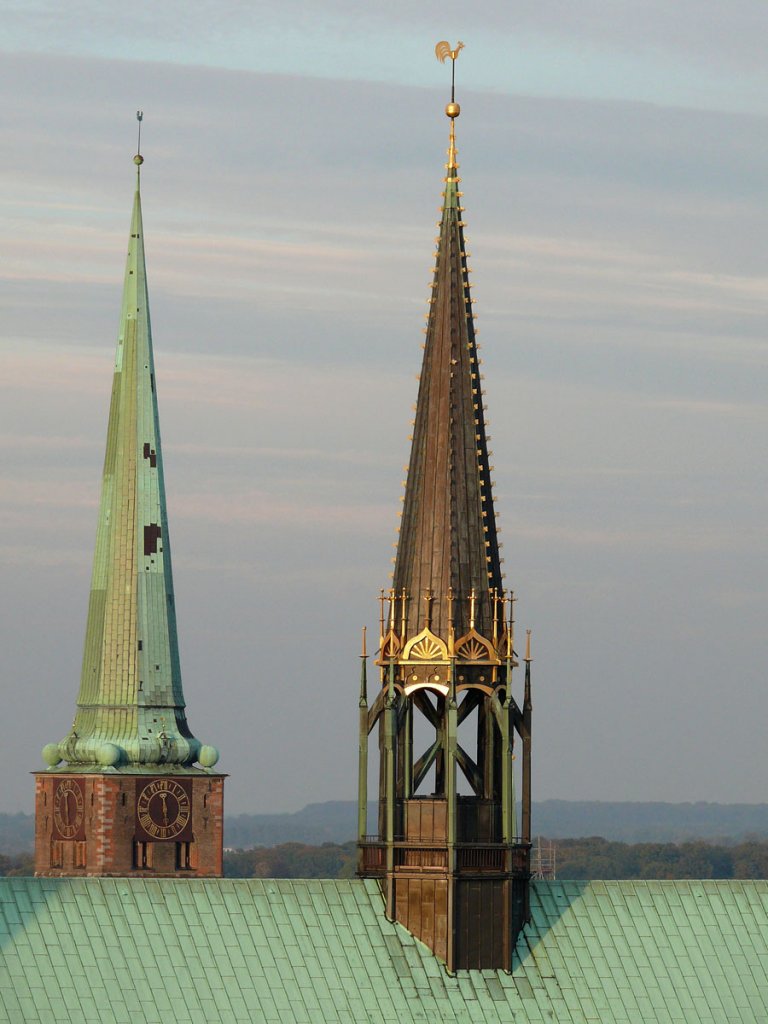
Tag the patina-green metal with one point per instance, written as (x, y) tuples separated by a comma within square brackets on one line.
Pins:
[(130, 709), (302, 951)]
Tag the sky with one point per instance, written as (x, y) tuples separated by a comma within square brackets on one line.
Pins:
[(614, 167)]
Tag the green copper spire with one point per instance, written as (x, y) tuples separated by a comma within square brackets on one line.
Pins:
[(130, 709)]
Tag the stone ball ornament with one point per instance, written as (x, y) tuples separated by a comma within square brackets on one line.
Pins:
[(51, 754), (109, 754), (208, 756)]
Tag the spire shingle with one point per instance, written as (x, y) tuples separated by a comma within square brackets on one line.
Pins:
[(448, 543), (130, 708)]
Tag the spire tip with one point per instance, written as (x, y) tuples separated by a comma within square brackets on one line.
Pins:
[(139, 159), (443, 51)]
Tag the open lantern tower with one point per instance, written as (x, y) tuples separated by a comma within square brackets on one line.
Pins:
[(455, 868)]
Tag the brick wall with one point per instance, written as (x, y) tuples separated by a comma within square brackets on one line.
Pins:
[(109, 830)]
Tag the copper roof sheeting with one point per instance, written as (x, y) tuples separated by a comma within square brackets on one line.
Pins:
[(119, 950)]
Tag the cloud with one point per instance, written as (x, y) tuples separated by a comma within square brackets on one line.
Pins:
[(47, 443), (40, 556), (684, 53), (28, 493), (254, 508), (702, 407), (669, 537), (619, 265)]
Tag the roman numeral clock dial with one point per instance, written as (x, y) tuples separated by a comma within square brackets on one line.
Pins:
[(68, 809), (163, 810)]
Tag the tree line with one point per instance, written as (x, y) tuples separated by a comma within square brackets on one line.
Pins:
[(585, 859), (588, 859), (336, 822), (601, 859)]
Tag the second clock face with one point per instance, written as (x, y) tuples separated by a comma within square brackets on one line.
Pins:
[(68, 809), (163, 808)]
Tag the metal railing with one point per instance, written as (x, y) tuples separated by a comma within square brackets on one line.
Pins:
[(471, 858)]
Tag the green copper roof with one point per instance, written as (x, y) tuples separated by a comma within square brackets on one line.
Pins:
[(130, 709), (119, 950)]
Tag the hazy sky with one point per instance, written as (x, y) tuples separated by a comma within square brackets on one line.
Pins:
[(614, 163)]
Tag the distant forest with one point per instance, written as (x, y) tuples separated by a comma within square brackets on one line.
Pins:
[(335, 822), (593, 840), (576, 859)]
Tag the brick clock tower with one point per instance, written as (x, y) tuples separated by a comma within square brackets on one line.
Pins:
[(454, 865), (130, 791)]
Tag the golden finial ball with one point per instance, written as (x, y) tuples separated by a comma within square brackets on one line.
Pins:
[(453, 110), (138, 159)]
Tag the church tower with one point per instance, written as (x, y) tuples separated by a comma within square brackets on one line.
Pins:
[(454, 865), (122, 794)]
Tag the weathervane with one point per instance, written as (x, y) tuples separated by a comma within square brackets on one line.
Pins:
[(442, 52), (139, 159)]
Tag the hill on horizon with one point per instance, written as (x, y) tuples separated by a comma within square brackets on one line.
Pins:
[(629, 822), (335, 822)]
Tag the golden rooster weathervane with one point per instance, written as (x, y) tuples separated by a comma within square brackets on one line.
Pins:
[(443, 51)]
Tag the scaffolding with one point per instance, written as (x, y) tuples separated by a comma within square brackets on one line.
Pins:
[(544, 860)]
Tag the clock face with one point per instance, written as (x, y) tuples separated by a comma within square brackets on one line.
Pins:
[(68, 809), (163, 809)]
